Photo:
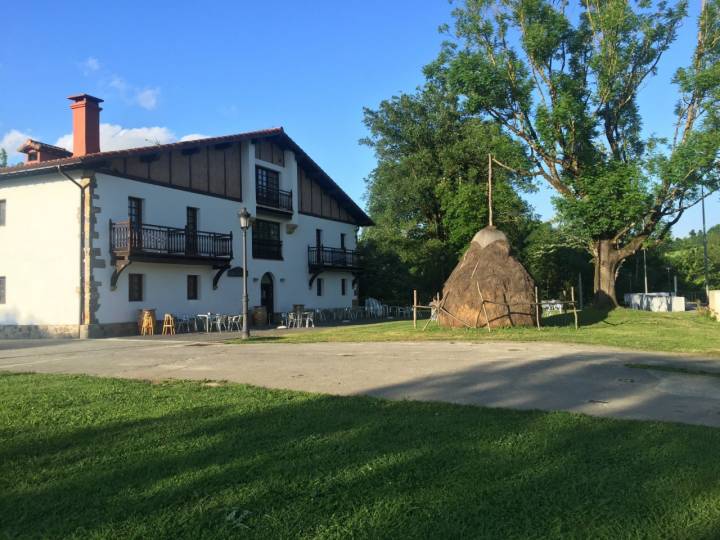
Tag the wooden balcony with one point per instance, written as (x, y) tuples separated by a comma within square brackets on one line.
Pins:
[(159, 244), (324, 258), (274, 200)]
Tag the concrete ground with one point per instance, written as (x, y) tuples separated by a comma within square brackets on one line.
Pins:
[(579, 378)]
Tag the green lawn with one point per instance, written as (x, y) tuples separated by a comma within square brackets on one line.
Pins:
[(688, 332), (84, 457)]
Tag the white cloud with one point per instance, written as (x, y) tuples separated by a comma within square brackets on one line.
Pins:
[(115, 137), (119, 84), (10, 141), (193, 137), (147, 98), (90, 65)]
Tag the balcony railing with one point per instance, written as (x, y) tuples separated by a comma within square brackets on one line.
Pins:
[(273, 198), (266, 249), (128, 240), (324, 257)]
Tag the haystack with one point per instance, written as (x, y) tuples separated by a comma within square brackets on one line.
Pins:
[(488, 271)]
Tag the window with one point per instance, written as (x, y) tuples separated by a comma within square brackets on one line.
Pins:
[(135, 211), (135, 287), (3, 205), (265, 179), (266, 242), (191, 229), (319, 285), (343, 286), (192, 287), (2, 289), (342, 240)]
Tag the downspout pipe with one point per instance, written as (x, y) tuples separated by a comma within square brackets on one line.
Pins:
[(81, 311)]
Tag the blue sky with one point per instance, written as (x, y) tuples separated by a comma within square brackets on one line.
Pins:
[(169, 70)]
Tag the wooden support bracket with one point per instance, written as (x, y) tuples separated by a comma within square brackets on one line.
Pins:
[(120, 265), (220, 271), (314, 275)]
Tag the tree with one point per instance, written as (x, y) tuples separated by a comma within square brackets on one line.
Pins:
[(555, 261), (428, 193), (567, 90)]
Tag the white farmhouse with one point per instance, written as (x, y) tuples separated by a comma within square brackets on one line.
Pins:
[(88, 238)]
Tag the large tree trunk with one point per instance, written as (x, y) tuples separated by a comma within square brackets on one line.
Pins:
[(606, 260)]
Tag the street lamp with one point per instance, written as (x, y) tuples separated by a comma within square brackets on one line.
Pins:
[(245, 221)]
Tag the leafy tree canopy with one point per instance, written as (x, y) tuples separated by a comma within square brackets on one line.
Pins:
[(428, 193), (566, 88)]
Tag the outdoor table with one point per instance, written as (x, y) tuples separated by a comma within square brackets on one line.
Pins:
[(205, 316)]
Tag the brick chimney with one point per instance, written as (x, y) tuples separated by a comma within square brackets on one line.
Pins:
[(86, 124)]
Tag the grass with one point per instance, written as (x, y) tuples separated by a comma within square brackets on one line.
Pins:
[(688, 332), (83, 457)]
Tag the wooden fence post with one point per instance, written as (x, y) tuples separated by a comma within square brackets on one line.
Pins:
[(537, 308), (415, 308), (572, 297)]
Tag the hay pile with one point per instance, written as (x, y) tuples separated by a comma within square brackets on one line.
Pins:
[(488, 268)]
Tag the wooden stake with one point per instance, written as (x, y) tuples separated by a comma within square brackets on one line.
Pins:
[(415, 308), (572, 297), (537, 308), (487, 319), (490, 209)]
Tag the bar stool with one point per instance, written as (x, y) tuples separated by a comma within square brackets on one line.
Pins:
[(148, 324), (168, 325)]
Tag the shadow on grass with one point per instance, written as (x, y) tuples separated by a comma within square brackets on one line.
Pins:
[(586, 317), (187, 461)]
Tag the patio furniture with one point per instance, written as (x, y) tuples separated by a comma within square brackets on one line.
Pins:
[(187, 322), (309, 319), (168, 325), (148, 323), (204, 318), (220, 322), (235, 322)]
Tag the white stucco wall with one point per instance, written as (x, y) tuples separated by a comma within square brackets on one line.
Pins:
[(165, 284), (40, 251)]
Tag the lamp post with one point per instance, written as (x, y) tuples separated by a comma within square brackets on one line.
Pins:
[(244, 216)]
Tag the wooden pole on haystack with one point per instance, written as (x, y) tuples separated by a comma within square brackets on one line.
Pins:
[(415, 308), (537, 308), (572, 297), (490, 209)]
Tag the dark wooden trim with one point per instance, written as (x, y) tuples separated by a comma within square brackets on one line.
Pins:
[(311, 214), (149, 158), (240, 168), (225, 174), (259, 208), (190, 151), (163, 184), (207, 163), (222, 146), (190, 175)]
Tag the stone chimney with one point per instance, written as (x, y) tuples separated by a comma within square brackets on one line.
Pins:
[(86, 124)]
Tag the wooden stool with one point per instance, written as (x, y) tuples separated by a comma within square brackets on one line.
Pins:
[(148, 324), (168, 325)]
